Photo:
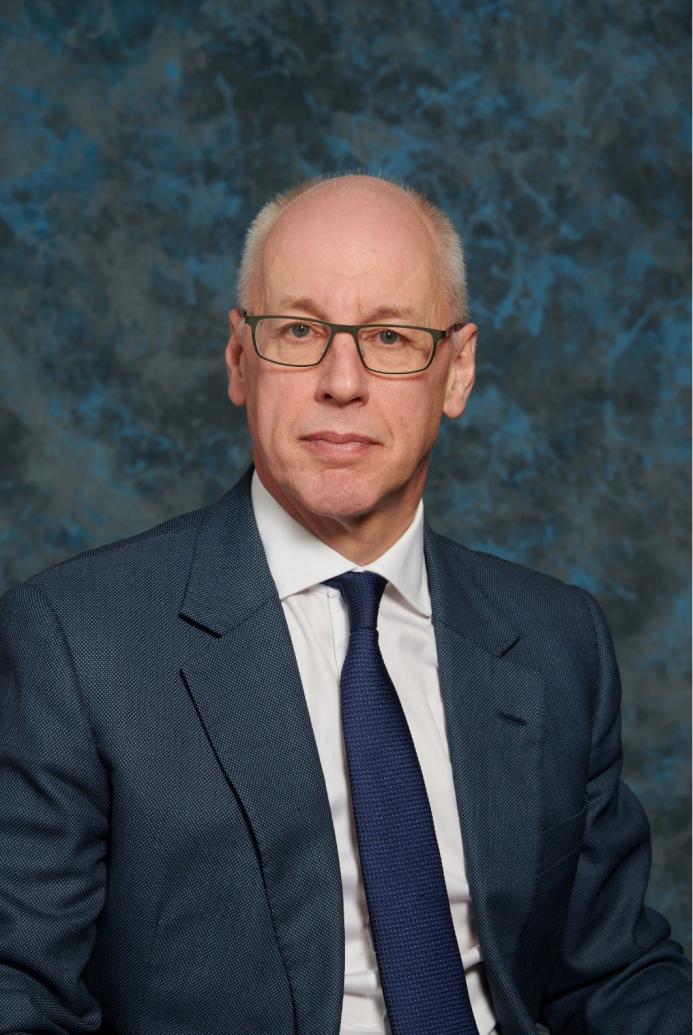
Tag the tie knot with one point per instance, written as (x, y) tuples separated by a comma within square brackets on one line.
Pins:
[(362, 591)]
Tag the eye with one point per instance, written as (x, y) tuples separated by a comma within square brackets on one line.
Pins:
[(299, 330), (389, 337)]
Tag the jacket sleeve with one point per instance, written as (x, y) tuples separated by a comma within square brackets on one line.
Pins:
[(53, 826), (617, 971)]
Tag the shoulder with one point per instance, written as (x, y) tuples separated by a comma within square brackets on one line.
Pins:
[(508, 581), (133, 588), (150, 561), (550, 615)]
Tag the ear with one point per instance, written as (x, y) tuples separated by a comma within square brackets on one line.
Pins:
[(234, 354), (461, 372)]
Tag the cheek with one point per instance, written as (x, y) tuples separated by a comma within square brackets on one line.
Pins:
[(274, 406), (414, 417)]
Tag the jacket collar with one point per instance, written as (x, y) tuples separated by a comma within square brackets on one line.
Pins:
[(459, 601), (229, 579)]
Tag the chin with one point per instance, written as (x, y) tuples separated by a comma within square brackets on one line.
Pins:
[(339, 494)]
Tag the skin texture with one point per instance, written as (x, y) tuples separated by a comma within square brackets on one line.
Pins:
[(353, 250)]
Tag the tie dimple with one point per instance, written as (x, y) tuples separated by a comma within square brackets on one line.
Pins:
[(362, 592)]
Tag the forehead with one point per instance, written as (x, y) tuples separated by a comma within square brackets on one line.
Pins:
[(353, 248)]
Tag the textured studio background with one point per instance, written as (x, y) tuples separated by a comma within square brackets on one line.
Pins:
[(139, 138)]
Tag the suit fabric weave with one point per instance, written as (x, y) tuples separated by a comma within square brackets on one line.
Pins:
[(168, 863)]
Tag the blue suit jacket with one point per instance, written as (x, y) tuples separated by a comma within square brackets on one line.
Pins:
[(168, 861)]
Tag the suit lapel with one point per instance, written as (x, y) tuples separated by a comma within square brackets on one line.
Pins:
[(495, 718), (248, 693)]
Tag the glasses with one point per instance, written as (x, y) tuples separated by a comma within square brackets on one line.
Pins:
[(383, 348)]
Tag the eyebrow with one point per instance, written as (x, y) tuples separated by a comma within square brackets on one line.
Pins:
[(288, 305)]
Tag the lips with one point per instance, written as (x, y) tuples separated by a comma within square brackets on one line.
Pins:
[(336, 439), (334, 447)]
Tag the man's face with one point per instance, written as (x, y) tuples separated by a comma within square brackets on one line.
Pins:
[(336, 441)]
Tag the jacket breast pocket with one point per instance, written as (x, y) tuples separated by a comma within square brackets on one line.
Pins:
[(561, 841)]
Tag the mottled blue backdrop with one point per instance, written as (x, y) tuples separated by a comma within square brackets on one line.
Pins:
[(138, 139)]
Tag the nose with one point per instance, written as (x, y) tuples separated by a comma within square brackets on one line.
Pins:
[(342, 379)]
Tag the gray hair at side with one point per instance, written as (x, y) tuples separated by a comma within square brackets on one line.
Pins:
[(448, 242)]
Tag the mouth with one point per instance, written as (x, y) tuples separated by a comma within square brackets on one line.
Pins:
[(330, 443)]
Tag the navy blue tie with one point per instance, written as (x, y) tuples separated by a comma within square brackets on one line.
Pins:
[(421, 972)]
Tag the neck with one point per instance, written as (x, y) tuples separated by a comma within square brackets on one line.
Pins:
[(362, 538)]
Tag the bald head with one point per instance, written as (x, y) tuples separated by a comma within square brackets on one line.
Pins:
[(359, 219), (343, 236)]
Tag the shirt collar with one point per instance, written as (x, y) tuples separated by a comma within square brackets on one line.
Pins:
[(298, 560)]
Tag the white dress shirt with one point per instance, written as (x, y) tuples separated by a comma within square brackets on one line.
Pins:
[(318, 623)]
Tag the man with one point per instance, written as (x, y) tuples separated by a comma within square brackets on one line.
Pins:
[(229, 807)]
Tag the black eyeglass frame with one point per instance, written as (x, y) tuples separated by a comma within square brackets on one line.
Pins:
[(352, 329)]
